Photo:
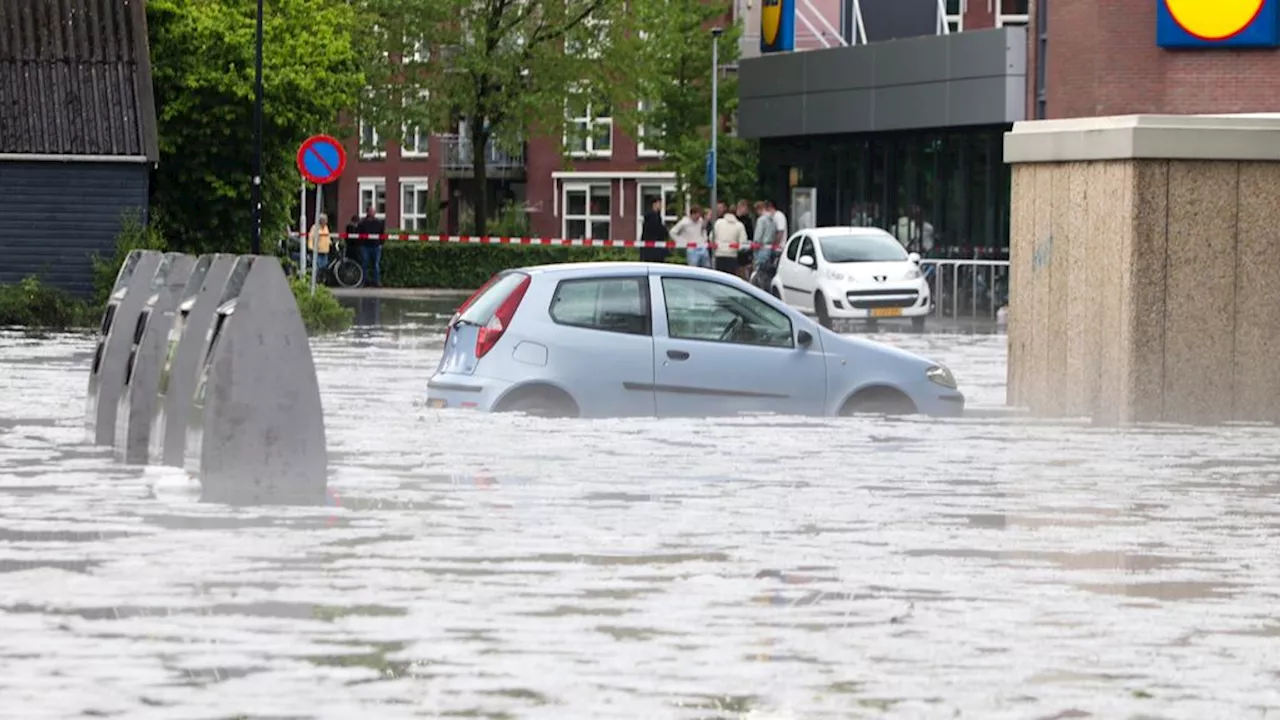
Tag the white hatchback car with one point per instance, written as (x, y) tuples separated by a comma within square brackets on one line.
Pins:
[(853, 273)]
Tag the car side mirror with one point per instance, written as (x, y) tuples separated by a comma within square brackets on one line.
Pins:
[(805, 338), (914, 257), (807, 261)]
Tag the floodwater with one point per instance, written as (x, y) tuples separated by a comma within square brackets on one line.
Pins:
[(498, 566)]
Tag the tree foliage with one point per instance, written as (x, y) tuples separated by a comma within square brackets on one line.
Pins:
[(676, 55), (504, 69), (203, 65)]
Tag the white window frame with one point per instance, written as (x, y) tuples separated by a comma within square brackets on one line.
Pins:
[(417, 184), (641, 150), (955, 23), (1012, 20), (669, 215), (593, 25), (376, 148), (369, 186), (583, 131), (422, 140), (588, 218)]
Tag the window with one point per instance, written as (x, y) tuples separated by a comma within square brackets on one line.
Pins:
[(373, 191), (1013, 13), (414, 200), (584, 41), (590, 126), (793, 249), (415, 140), (587, 211), (806, 248), (608, 304), (714, 312), (955, 16), (417, 51), (645, 109), (370, 139), (665, 194)]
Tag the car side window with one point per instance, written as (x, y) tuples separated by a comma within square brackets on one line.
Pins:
[(806, 248), (793, 249), (715, 312), (609, 304)]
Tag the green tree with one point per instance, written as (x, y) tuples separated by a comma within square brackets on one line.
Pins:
[(203, 64), (674, 116), (505, 69)]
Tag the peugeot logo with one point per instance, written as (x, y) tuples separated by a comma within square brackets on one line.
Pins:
[(880, 278)]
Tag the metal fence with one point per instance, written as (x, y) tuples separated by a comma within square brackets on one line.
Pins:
[(967, 288)]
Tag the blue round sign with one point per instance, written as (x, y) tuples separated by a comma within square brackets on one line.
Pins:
[(321, 159)]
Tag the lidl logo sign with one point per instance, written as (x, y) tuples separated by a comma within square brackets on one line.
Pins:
[(1217, 23), (777, 26)]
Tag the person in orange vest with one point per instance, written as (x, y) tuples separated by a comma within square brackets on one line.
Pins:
[(319, 241)]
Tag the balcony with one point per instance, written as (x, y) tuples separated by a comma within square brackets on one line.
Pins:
[(457, 161)]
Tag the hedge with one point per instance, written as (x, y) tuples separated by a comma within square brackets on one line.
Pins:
[(462, 267)]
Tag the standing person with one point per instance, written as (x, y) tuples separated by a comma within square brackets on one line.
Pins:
[(352, 249), (745, 252), (779, 224), (763, 241), (371, 249), (690, 234), (653, 230), (729, 235), (319, 240)]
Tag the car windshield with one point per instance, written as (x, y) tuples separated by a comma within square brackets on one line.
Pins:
[(862, 248)]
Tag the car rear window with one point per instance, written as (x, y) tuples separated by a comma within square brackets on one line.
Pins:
[(608, 304), (482, 308)]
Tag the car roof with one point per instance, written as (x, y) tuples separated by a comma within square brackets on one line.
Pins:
[(582, 269), (821, 232)]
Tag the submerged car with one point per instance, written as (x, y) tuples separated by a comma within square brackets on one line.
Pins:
[(853, 273), (650, 339)]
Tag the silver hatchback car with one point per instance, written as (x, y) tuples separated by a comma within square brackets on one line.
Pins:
[(643, 339)]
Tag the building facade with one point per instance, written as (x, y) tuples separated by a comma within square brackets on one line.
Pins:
[(77, 134), (905, 130)]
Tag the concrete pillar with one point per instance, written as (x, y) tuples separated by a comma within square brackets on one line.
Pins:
[(1146, 279)]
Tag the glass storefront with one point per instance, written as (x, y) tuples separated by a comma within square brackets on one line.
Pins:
[(942, 193)]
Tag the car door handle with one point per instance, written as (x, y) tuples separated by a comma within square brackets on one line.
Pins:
[(677, 355)]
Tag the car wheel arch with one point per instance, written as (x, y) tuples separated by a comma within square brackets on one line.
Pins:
[(876, 390), (538, 388)]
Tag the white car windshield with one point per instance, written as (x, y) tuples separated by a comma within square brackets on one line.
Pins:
[(862, 248)]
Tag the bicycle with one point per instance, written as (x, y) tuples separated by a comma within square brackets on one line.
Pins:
[(341, 271)]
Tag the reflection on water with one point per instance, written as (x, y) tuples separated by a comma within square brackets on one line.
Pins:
[(489, 566)]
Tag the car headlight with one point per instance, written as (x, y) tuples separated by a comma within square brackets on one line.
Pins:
[(838, 276), (940, 375), (913, 273)]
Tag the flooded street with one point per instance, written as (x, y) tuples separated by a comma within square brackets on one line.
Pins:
[(477, 565)]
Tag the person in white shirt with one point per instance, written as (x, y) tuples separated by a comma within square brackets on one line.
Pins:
[(779, 224), (690, 235), (729, 235)]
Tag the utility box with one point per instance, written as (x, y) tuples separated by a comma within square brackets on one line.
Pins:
[(138, 399), (256, 430), (115, 335), (184, 353)]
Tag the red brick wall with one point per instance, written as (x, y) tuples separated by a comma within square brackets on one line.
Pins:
[(392, 167), (977, 16), (1103, 60)]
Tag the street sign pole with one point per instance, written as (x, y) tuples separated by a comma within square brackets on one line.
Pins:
[(302, 230), (321, 160)]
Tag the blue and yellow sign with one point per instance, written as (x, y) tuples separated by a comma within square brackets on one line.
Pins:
[(1217, 23), (777, 26)]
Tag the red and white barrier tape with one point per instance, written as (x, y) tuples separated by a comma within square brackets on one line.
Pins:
[(501, 240)]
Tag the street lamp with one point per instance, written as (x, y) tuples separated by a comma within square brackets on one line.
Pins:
[(256, 243), (713, 162)]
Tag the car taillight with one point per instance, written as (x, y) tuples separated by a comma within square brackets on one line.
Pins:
[(492, 331)]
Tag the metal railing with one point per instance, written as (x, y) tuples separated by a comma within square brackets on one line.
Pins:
[(458, 155), (966, 287)]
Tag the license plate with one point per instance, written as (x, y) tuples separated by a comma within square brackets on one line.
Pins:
[(436, 403), (886, 312)]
